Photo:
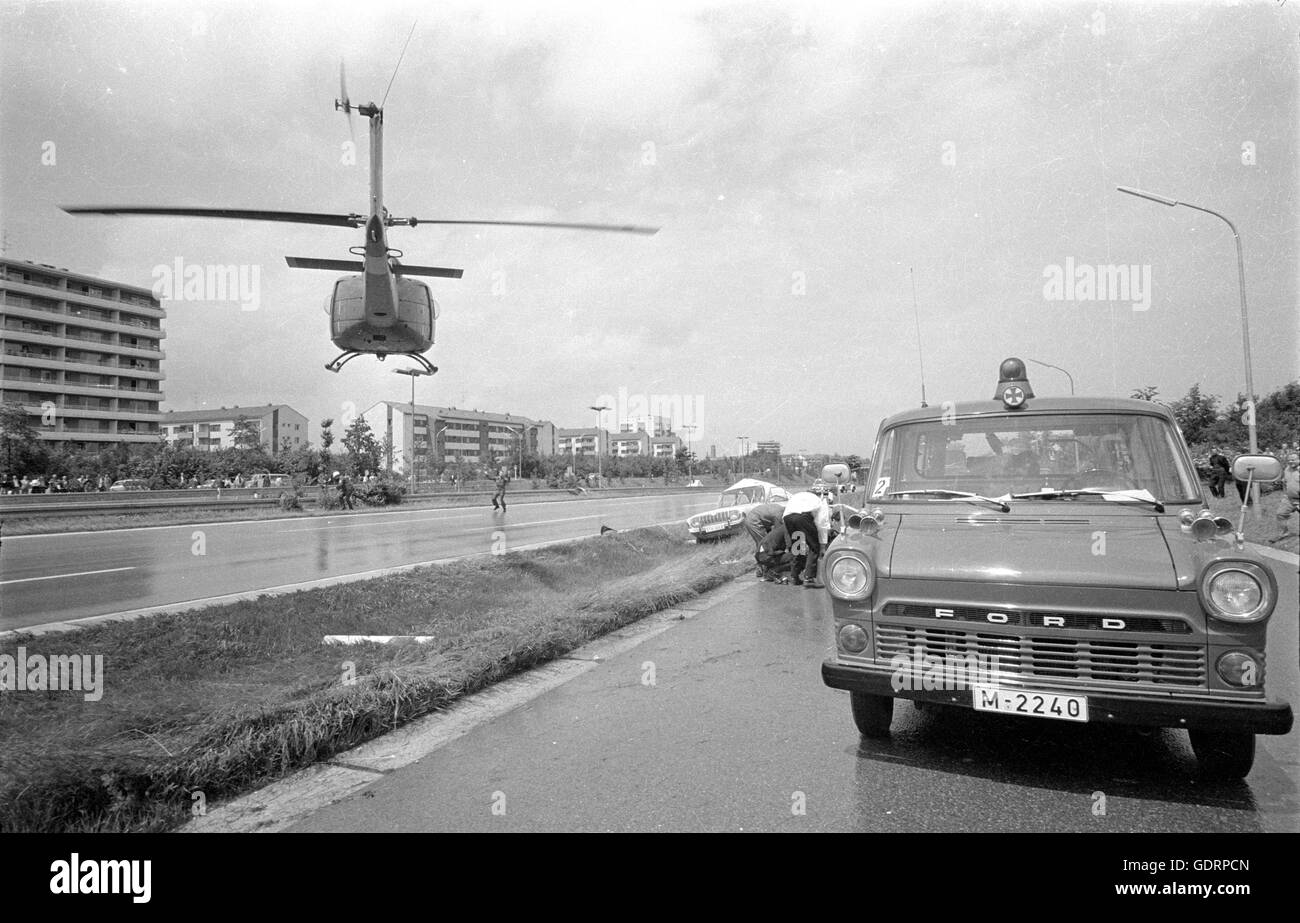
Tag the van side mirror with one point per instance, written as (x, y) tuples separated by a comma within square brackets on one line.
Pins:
[(1260, 468), (836, 474)]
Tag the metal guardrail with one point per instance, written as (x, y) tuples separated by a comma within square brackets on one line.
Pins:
[(132, 501)]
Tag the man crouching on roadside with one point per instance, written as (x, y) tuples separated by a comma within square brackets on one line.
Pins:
[(808, 521), (773, 555), (761, 520)]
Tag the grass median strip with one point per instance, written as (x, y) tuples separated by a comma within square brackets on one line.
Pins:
[(204, 705)]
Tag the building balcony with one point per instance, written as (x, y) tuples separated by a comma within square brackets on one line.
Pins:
[(102, 298), (76, 436), (85, 319), (83, 389), (17, 357)]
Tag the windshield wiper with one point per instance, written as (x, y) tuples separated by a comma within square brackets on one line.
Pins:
[(956, 495), (1123, 495)]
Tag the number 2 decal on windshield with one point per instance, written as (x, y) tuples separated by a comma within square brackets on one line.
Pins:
[(882, 485)]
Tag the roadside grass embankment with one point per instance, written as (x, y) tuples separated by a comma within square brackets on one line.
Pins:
[(204, 705)]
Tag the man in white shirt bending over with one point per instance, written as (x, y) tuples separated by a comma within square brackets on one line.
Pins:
[(808, 521)]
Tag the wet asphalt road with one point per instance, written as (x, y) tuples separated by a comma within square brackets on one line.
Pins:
[(49, 578), (738, 732)]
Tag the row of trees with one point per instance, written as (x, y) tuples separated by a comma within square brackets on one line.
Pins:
[(356, 452), (24, 454), (1206, 421)]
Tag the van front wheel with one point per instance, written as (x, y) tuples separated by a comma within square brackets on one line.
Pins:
[(1224, 755), (872, 713)]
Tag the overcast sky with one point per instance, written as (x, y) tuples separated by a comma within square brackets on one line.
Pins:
[(799, 158)]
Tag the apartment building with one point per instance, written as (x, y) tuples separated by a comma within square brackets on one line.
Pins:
[(82, 355), (278, 427), (435, 436), (582, 441)]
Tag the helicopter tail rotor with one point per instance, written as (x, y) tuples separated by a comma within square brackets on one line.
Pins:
[(343, 102)]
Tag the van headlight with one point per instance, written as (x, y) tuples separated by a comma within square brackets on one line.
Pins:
[(849, 575), (1237, 591)]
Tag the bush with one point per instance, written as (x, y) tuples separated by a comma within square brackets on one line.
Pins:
[(384, 491)]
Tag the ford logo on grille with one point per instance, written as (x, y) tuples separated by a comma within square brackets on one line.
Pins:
[(1035, 619)]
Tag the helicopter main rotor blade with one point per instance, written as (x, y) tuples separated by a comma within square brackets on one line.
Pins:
[(341, 221), (626, 228)]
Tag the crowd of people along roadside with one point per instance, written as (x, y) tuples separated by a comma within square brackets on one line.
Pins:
[(85, 484)]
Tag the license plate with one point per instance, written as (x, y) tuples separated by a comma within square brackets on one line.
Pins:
[(714, 527), (1030, 702)]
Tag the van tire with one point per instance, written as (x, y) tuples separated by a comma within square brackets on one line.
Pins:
[(1223, 755), (872, 713)]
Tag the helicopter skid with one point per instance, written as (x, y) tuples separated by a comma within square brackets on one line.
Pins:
[(346, 357), (342, 360)]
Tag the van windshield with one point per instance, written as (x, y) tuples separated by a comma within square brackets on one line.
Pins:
[(1026, 453)]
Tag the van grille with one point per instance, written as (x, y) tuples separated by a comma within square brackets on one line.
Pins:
[(1053, 657)]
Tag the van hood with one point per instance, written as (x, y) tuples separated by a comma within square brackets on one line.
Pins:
[(1126, 550)]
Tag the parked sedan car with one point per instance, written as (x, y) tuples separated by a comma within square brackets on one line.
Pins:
[(130, 484), (733, 504)]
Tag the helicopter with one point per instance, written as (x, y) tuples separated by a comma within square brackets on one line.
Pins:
[(380, 310)]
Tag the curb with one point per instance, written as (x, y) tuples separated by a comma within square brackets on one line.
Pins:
[(285, 802)]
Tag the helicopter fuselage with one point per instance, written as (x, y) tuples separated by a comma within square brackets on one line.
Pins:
[(378, 309)]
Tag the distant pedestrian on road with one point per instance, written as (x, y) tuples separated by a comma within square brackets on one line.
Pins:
[(1289, 505), (502, 480), (1245, 497), (1220, 472), (346, 492)]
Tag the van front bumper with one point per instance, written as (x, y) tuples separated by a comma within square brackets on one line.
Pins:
[(1169, 710)]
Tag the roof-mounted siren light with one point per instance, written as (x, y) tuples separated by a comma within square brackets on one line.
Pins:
[(1013, 384)]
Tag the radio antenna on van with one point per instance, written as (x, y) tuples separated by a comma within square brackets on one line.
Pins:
[(916, 312)]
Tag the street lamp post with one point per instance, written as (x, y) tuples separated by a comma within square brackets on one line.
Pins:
[(600, 474), (740, 449), (690, 468), (519, 465), (433, 442), (1245, 324), (1059, 369), (414, 374)]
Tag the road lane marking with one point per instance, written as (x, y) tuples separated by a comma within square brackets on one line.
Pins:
[(495, 524), (187, 605), (367, 515), (84, 573)]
